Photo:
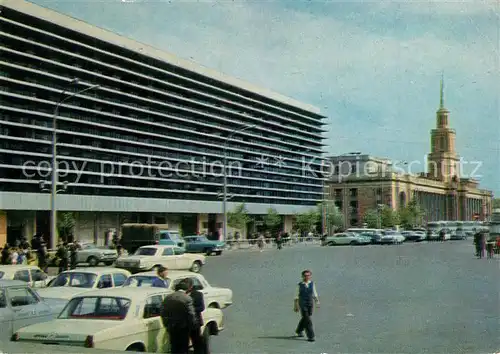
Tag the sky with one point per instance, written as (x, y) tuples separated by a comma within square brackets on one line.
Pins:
[(372, 67)]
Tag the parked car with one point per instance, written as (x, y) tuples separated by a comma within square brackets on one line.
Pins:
[(392, 237), (21, 306), (151, 257), (459, 234), (213, 296), (93, 255), (201, 244), (33, 275), (347, 238), (411, 235), (72, 282), (118, 319)]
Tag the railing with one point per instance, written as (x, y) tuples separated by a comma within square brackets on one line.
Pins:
[(271, 243)]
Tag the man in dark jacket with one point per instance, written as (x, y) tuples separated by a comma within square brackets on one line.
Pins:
[(178, 317), (63, 256), (200, 346)]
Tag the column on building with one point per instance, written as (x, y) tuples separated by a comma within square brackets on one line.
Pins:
[(3, 228), (29, 225), (287, 223)]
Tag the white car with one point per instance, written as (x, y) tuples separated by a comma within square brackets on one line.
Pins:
[(347, 238), (213, 296), (392, 237), (151, 257), (20, 306), (69, 283), (33, 275), (114, 319)]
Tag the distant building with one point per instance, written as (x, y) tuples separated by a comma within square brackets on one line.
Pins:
[(359, 182)]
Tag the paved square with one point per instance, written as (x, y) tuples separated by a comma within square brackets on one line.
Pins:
[(413, 298)]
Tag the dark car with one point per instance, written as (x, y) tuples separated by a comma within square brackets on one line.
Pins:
[(374, 236), (201, 244)]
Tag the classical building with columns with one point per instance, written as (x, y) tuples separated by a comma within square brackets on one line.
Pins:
[(358, 182)]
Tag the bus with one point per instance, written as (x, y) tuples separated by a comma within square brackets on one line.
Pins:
[(436, 226)]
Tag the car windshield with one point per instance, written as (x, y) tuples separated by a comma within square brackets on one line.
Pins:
[(140, 280), (146, 251), (96, 308), (75, 279)]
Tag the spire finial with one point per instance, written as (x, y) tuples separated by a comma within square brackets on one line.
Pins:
[(441, 92)]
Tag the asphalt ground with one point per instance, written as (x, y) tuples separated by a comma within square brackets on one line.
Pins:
[(411, 298)]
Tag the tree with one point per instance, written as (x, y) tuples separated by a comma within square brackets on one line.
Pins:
[(388, 217), (239, 218), (66, 225), (412, 215), (272, 221), (371, 219), (334, 218), (496, 203), (305, 222)]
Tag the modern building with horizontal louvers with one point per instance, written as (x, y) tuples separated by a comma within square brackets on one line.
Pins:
[(147, 144)]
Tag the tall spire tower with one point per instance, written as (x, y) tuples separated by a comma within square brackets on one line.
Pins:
[(443, 160)]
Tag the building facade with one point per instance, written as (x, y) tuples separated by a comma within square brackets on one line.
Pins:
[(149, 143), (359, 183)]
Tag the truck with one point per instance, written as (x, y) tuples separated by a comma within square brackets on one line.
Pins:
[(138, 235)]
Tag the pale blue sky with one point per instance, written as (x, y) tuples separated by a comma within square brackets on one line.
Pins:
[(372, 67)]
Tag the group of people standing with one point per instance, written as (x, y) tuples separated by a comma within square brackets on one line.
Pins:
[(22, 252), (181, 314)]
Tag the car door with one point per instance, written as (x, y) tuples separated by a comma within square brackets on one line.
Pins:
[(38, 278), (154, 329), (27, 307), (191, 245), (341, 239), (169, 259), (183, 262), (6, 317)]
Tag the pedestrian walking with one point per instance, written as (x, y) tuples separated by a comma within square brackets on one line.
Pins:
[(490, 245), (200, 343), (260, 242), (42, 256), (304, 302), (161, 281), (178, 317), (62, 255), (73, 257)]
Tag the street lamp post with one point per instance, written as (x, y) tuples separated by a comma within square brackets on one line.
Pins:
[(53, 187), (224, 191)]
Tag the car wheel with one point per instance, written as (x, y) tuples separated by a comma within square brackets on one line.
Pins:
[(135, 348), (92, 261), (218, 253), (214, 305), (109, 263), (196, 267), (208, 251), (331, 244), (353, 243)]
